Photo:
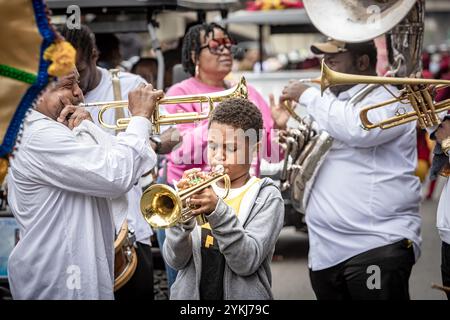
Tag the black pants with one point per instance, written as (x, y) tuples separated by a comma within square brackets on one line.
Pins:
[(378, 274), (140, 286), (445, 266)]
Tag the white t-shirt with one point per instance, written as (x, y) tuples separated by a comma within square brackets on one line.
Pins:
[(104, 92), (443, 216), (365, 194)]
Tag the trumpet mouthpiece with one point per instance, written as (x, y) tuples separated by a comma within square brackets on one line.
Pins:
[(219, 168)]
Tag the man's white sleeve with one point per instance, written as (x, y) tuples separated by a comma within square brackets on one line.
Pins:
[(341, 119), (56, 158)]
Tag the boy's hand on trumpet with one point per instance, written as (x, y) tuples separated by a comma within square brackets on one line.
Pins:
[(205, 202), (142, 101)]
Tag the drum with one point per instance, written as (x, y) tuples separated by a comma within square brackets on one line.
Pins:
[(9, 236), (125, 258)]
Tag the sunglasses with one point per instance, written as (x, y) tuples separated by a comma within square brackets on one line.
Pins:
[(216, 46)]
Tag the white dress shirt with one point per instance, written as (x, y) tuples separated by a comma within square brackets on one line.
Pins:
[(104, 92), (365, 194), (59, 190), (443, 214), (443, 210), (89, 133)]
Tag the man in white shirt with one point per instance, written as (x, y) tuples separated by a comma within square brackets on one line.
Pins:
[(96, 84), (60, 190), (363, 212), (442, 136)]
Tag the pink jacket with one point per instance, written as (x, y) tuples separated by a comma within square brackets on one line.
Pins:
[(192, 152)]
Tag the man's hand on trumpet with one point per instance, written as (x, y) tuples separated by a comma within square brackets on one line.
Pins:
[(293, 91), (72, 116), (142, 101)]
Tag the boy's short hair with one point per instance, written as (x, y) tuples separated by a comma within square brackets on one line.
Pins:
[(240, 114)]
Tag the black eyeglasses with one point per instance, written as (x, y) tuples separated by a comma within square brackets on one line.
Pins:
[(216, 46)]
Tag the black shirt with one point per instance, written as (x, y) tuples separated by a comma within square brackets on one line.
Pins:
[(213, 267)]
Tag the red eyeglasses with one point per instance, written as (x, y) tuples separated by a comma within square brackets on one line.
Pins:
[(216, 46)]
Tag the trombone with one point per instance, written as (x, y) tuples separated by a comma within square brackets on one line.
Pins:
[(163, 207), (239, 90), (416, 92)]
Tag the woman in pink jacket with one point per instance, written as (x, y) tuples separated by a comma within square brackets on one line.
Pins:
[(206, 55)]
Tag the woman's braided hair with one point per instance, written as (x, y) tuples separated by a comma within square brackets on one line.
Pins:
[(193, 43)]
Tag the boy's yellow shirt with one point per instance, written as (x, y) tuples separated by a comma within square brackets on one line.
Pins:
[(234, 202)]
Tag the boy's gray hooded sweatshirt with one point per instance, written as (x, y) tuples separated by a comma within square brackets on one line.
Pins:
[(247, 241)]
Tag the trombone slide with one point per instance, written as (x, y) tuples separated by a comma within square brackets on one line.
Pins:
[(415, 93)]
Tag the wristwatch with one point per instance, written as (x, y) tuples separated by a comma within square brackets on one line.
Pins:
[(157, 141), (445, 145)]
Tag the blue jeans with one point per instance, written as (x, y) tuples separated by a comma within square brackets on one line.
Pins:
[(161, 237)]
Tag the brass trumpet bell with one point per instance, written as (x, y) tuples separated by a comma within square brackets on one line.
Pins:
[(164, 207), (161, 206), (239, 90)]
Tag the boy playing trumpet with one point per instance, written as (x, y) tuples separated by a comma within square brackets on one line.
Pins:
[(229, 257)]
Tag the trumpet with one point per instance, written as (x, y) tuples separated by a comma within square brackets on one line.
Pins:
[(163, 207), (416, 93), (239, 90)]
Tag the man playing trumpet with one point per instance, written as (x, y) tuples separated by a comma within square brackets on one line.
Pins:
[(59, 191), (97, 85), (363, 211)]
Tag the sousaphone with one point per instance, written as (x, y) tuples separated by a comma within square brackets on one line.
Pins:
[(401, 21)]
